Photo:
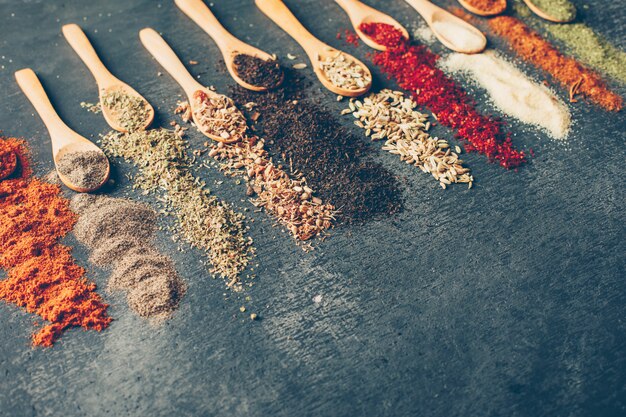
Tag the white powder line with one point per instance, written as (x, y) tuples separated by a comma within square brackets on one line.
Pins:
[(513, 92)]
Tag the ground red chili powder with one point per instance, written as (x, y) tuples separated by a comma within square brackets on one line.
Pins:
[(42, 276), (414, 68), (571, 74), (383, 34)]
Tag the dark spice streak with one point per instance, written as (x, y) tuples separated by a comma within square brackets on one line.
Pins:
[(309, 138), (257, 71)]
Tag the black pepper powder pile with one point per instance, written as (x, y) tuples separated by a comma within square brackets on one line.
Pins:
[(257, 71), (335, 162)]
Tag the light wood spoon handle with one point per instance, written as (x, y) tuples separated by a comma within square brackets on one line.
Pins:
[(79, 42), (282, 16), (33, 90), (425, 8), (353, 8), (168, 59), (197, 11)]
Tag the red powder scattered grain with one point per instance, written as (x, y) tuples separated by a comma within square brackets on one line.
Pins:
[(414, 68)]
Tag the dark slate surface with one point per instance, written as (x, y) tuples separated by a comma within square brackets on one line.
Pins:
[(505, 300)]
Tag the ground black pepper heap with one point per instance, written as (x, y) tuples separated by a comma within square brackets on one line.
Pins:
[(335, 162), (257, 71)]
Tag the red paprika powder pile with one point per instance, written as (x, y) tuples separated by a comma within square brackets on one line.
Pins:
[(414, 68), (42, 276)]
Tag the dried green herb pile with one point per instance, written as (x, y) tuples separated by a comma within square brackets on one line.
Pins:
[(120, 233), (310, 140), (205, 222)]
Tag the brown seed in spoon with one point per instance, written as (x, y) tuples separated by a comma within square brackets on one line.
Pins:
[(217, 115)]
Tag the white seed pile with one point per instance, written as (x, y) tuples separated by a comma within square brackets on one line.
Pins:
[(345, 72), (217, 115), (289, 200), (389, 115)]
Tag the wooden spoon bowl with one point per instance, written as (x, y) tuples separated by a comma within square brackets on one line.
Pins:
[(64, 140), (360, 13), (229, 45), (542, 14), (435, 15), (499, 7)]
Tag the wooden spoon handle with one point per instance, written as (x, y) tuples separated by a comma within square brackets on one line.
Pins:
[(197, 11), (33, 90), (162, 52), (282, 16), (353, 8), (425, 8), (79, 42)]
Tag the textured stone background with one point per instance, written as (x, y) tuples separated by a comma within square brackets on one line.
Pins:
[(505, 300)]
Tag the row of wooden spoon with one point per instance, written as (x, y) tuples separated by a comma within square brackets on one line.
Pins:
[(65, 140)]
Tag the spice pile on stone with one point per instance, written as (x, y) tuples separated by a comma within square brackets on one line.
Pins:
[(390, 116), (258, 72), (414, 68), (205, 222), (120, 233), (42, 276), (582, 41), (217, 115), (512, 91), (131, 112), (344, 72), (568, 72), (291, 201), (86, 170), (310, 141)]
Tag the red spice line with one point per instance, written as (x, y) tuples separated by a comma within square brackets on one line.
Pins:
[(42, 276), (414, 68), (532, 47)]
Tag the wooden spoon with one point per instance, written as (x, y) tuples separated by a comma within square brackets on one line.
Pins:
[(315, 49), (443, 23), (499, 7), (64, 140), (230, 46), (360, 13), (107, 82), (162, 52), (542, 14)]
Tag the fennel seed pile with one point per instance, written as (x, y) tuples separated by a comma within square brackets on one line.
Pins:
[(205, 222), (389, 115)]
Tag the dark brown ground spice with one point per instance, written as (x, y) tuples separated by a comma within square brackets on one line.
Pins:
[(257, 71), (309, 139)]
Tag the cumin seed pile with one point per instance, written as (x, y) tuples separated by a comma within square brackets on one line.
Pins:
[(310, 140), (205, 222)]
